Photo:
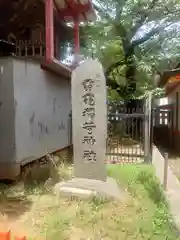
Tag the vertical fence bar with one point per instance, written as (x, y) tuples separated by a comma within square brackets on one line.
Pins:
[(172, 127), (19, 50), (147, 125), (26, 50), (146, 131), (128, 122), (152, 129), (165, 179), (118, 135)]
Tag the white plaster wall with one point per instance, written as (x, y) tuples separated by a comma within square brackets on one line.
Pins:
[(7, 143), (161, 101), (42, 107), (171, 98), (163, 117)]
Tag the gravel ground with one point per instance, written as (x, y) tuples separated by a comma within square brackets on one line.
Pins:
[(174, 161)]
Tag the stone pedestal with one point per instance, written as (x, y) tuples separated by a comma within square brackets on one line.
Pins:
[(86, 188)]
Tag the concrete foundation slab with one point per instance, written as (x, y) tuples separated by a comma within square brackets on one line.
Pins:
[(81, 187)]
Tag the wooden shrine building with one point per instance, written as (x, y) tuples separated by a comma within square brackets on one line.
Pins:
[(35, 86)]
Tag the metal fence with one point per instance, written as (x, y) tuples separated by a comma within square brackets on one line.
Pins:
[(130, 133), (29, 49), (129, 138), (125, 141)]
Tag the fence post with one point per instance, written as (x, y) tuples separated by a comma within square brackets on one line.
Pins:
[(165, 171), (152, 130), (147, 128)]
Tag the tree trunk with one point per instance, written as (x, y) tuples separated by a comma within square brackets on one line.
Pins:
[(127, 91), (130, 78), (130, 71)]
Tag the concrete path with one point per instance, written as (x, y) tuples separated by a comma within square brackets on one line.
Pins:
[(173, 185)]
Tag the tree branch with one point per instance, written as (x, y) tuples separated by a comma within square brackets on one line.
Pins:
[(143, 18), (112, 67), (119, 8), (150, 34), (146, 37), (100, 9)]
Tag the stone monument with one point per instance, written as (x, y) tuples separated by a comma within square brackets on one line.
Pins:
[(89, 118), (89, 124)]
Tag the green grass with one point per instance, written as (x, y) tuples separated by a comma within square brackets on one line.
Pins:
[(153, 218), (141, 214)]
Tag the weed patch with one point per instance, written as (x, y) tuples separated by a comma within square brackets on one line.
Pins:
[(144, 214)]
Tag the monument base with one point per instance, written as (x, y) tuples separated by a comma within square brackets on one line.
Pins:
[(85, 188)]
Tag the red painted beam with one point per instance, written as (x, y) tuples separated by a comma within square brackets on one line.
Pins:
[(76, 37), (71, 4), (88, 4), (79, 9), (49, 14)]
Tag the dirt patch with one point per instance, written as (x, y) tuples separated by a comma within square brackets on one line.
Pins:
[(13, 205)]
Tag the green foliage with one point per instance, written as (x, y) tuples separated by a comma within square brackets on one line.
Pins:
[(149, 26), (141, 182), (113, 95), (151, 185)]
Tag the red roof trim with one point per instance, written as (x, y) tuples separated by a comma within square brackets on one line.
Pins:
[(57, 9), (83, 11), (168, 74), (170, 87), (75, 9)]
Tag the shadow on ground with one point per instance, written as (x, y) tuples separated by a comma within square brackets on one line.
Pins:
[(13, 201), (14, 207)]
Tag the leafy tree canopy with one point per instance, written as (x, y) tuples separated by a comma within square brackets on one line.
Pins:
[(134, 39)]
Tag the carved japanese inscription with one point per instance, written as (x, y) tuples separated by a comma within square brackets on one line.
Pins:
[(89, 120)]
